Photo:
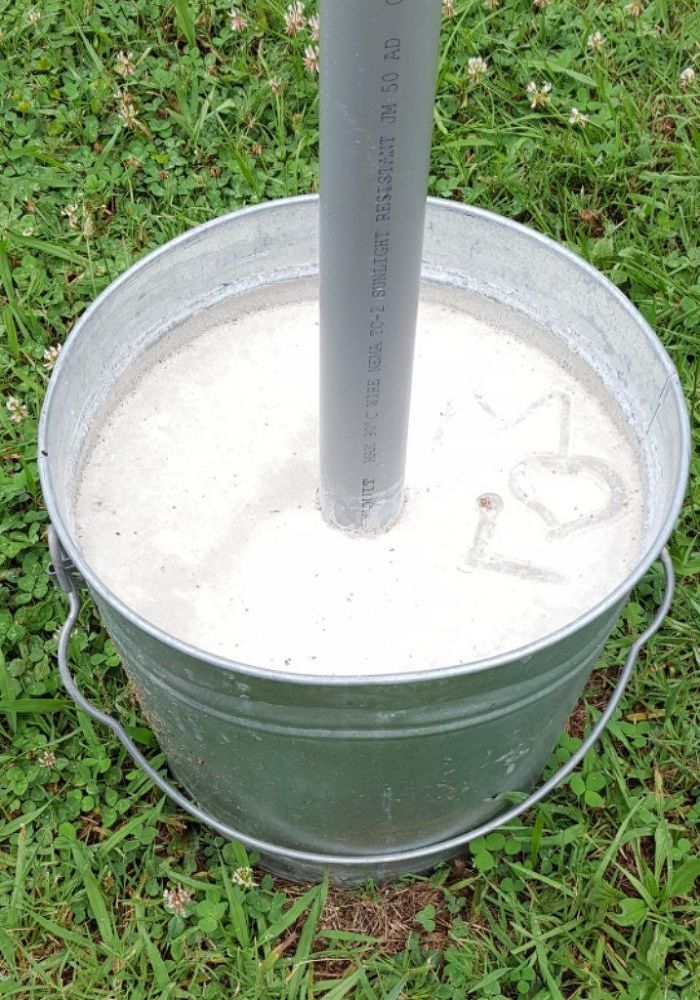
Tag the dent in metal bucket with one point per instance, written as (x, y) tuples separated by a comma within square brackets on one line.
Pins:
[(364, 775)]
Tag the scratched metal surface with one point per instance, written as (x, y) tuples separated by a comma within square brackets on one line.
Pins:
[(361, 765)]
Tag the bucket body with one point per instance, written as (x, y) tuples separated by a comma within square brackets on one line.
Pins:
[(360, 766)]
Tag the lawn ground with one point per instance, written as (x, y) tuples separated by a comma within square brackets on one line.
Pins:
[(124, 123)]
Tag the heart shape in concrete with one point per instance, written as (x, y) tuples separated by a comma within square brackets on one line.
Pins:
[(531, 480)]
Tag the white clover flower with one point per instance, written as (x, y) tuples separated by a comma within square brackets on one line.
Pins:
[(311, 58), (71, 213), (294, 19), (596, 42), (635, 8), (448, 8), (577, 117), (176, 900), (34, 16), (48, 759), (244, 878), (541, 4), (492, 4), (539, 96), (51, 357), (124, 64), (687, 77), (238, 20), (314, 28), (125, 108), (477, 68), (17, 410)]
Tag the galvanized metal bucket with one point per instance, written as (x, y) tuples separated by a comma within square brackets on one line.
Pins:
[(363, 776)]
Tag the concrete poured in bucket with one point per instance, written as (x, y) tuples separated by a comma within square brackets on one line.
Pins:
[(198, 501)]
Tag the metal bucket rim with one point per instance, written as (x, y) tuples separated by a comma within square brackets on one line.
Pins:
[(649, 555)]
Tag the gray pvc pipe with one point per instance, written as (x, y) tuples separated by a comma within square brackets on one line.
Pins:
[(378, 67)]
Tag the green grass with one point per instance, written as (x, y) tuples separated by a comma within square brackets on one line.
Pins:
[(594, 894)]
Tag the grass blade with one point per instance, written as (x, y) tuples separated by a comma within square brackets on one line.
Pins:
[(185, 21), (63, 933), (160, 973), (13, 910), (99, 65), (292, 914), (7, 692), (239, 919), (94, 895), (243, 165), (46, 247), (344, 986), (134, 824), (306, 939), (34, 706), (14, 825), (11, 331)]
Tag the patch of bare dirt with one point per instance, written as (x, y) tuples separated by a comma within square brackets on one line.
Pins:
[(595, 694), (387, 914)]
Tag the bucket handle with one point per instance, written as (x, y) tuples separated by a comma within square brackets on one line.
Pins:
[(61, 569)]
